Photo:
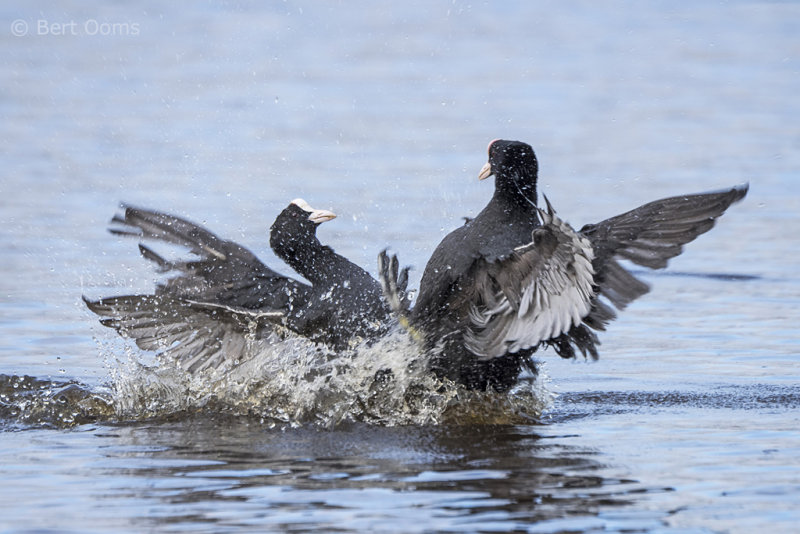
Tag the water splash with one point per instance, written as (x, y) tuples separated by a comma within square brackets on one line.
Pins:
[(283, 381), (26, 401), (293, 381)]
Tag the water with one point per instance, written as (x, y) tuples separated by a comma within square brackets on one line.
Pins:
[(223, 113)]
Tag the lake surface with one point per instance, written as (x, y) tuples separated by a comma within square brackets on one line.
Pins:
[(224, 112)]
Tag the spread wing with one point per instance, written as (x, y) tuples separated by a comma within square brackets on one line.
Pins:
[(565, 284), (539, 292), (650, 236), (653, 233), (225, 272), (197, 335)]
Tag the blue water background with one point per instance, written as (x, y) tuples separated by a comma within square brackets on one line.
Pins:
[(223, 112)]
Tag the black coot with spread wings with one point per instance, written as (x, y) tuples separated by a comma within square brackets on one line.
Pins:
[(517, 277), (215, 305)]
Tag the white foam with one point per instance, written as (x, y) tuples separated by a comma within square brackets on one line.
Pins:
[(293, 381)]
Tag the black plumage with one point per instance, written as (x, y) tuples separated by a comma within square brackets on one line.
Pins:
[(224, 272), (447, 287), (213, 307), (516, 277), (345, 304)]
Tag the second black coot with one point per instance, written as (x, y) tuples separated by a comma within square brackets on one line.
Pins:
[(517, 277), (345, 304), (215, 305)]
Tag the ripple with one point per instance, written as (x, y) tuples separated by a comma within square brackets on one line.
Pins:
[(729, 397)]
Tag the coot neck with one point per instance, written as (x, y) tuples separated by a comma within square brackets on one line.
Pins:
[(516, 191), (313, 260)]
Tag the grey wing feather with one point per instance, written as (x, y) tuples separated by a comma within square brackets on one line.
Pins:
[(148, 224), (226, 271), (197, 335), (649, 236), (550, 290), (540, 292), (653, 233)]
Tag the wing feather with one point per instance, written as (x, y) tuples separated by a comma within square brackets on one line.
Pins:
[(652, 234), (197, 335), (539, 292), (225, 272)]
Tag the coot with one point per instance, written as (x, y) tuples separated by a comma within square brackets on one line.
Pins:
[(215, 305), (516, 277), (345, 304)]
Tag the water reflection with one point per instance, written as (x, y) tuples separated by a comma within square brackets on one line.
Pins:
[(483, 478), (210, 472)]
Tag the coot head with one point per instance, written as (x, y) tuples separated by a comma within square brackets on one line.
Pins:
[(514, 166), (296, 224)]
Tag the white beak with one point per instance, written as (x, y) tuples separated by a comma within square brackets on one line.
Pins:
[(316, 216), (320, 216), (486, 171)]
